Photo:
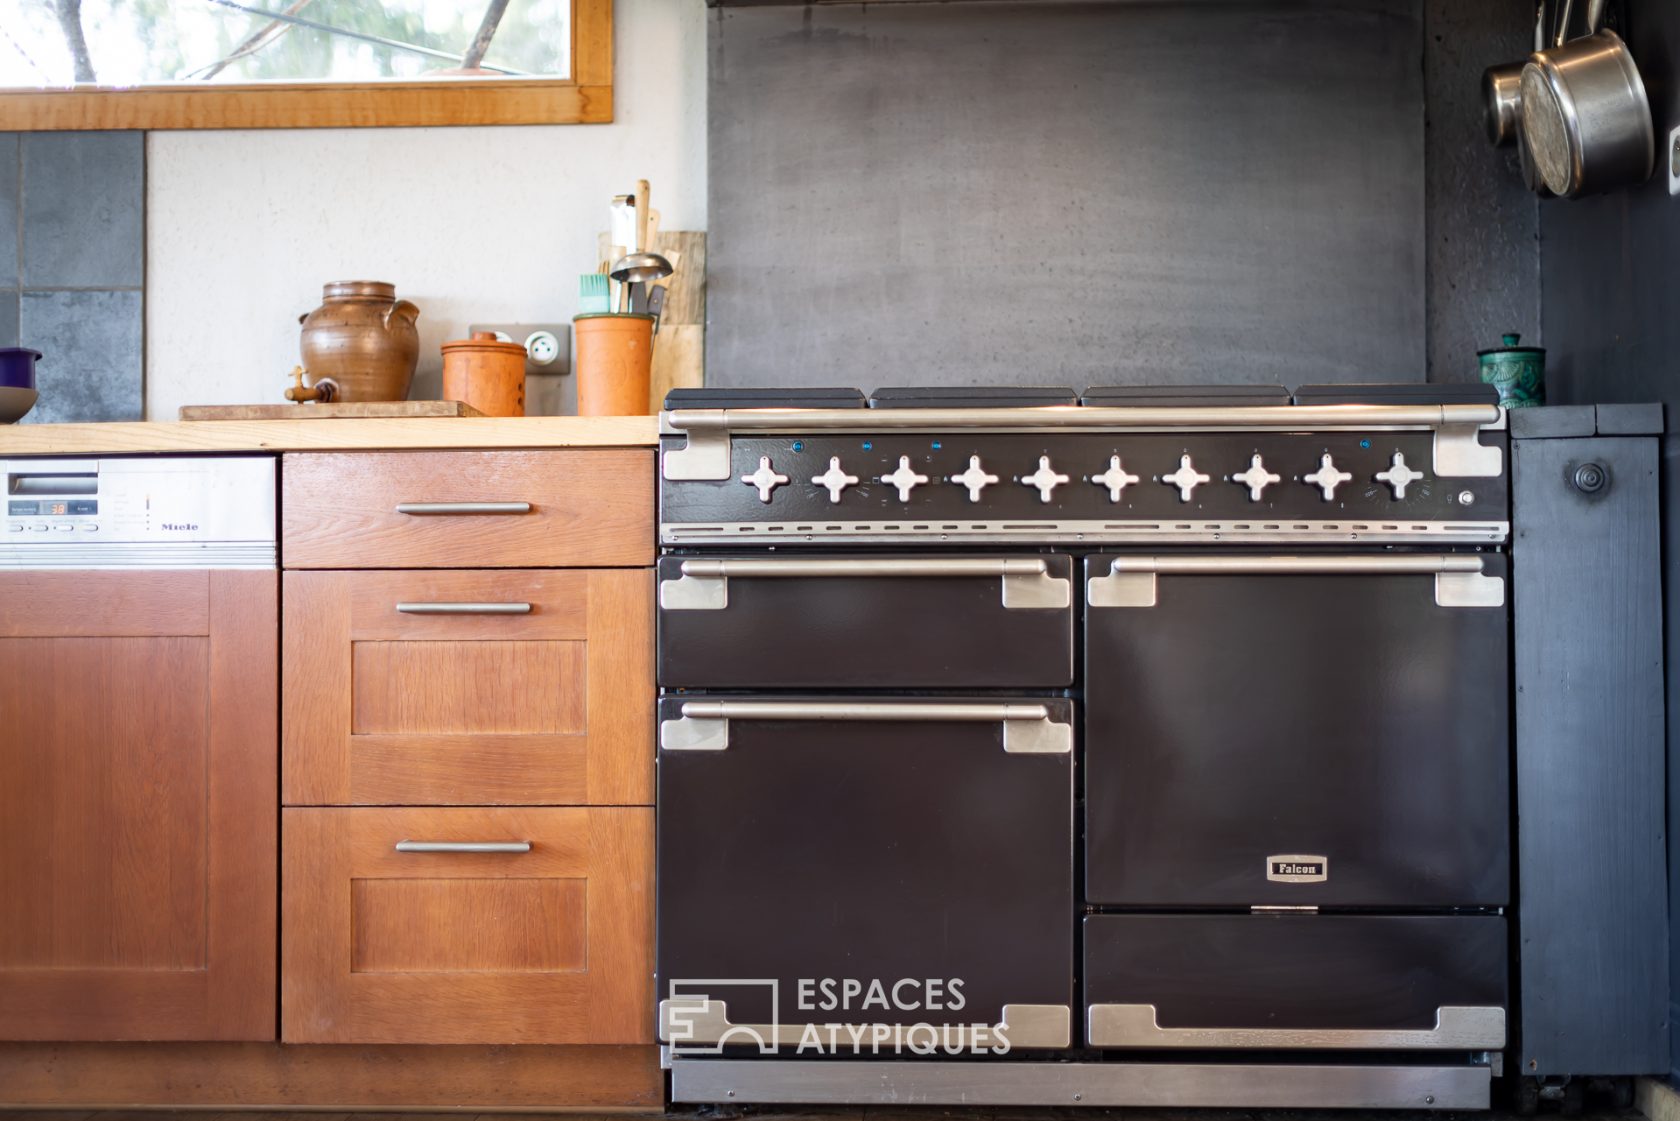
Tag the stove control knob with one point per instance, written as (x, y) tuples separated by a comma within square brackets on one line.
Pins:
[(1186, 478), (1256, 478), (765, 479), (1327, 478), (1044, 480), (1116, 478), (1399, 476), (975, 478), (835, 479), (905, 478)]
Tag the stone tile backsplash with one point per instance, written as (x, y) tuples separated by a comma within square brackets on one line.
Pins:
[(72, 268)]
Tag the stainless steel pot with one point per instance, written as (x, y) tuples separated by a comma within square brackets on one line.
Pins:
[(1585, 117)]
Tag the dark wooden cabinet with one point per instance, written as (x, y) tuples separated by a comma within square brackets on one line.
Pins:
[(138, 831)]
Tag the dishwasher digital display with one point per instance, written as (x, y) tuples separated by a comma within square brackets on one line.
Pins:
[(53, 507)]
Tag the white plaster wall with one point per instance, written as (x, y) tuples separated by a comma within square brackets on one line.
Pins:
[(472, 224)]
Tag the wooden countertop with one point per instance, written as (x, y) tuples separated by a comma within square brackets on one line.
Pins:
[(339, 434)]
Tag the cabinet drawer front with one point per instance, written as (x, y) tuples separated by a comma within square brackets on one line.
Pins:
[(476, 925), (488, 509), (524, 687)]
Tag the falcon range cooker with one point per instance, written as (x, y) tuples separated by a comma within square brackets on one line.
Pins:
[(1145, 748)]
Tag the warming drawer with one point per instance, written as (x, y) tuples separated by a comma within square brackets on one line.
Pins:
[(865, 841), (1314, 982), (1003, 621)]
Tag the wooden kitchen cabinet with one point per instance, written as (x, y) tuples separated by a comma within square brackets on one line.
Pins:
[(534, 509), (386, 705), (549, 945), (138, 816)]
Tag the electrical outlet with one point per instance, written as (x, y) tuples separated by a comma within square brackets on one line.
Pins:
[(548, 346), (1672, 158)]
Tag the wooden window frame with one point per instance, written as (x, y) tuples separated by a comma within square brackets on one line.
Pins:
[(585, 97)]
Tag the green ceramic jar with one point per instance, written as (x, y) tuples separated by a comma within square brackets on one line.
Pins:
[(1517, 372)]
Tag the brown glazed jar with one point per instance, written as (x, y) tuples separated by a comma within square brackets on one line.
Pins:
[(362, 339)]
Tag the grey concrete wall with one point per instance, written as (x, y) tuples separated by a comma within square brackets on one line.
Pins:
[(1483, 256), (1609, 269), (72, 268), (1068, 193)]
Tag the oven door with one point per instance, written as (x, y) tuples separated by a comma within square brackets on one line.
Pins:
[(860, 622), (1271, 730), (899, 865)]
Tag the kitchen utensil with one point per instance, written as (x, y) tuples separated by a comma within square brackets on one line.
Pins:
[(639, 268), (643, 191), (638, 297), (1502, 93), (623, 224), (614, 364), (485, 373), (1585, 113), (656, 303), (1517, 372), (17, 382), (363, 339), (594, 293)]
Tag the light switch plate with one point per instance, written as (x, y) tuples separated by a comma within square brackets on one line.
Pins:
[(1672, 158), (523, 333)]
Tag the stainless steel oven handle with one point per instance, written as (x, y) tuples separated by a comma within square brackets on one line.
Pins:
[(1073, 416), (438, 608), (1459, 579), (440, 509), (1458, 450), (1027, 728), (704, 584), (1466, 1027), (463, 846)]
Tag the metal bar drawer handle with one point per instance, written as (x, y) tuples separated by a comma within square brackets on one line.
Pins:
[(463, 846), (1468, 1027), (1027, 728), (437, 509), (464, 608), (1459, 580), (704, 585)]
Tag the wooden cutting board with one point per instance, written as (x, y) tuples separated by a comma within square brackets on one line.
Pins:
[(359, 410)]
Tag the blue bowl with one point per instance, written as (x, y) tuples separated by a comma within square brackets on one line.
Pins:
[(17, 382)]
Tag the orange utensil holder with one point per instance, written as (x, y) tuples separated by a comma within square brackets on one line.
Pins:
[(614, 363)]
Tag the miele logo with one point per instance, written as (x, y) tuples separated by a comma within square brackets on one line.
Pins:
[(180, 527), (1295, 868)]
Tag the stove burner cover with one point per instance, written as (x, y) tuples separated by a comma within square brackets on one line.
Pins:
[(764, 397), (1407, 393), (1184, 396), (971, 397)]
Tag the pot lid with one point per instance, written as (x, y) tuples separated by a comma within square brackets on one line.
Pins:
[(484, 340), (1511, 347)]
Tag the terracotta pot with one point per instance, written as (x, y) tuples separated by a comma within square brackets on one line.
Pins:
[(363, 340), (486, 374), (614, 364)]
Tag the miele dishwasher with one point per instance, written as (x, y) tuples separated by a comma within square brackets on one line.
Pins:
[(138, 748)]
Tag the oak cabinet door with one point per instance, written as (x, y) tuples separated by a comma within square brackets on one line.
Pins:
[(549, 942), (138, 809), (421, 688)]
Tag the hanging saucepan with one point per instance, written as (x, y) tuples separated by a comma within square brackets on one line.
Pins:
[(1585, 117), (1502, 90)]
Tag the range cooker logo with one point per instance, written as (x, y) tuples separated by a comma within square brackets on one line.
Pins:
[(180, 527), (1297, 868), (838, 1016)]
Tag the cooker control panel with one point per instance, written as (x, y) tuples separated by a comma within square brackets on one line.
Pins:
[(961, 481)]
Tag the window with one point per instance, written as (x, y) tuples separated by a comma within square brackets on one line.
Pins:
[(162, 64)]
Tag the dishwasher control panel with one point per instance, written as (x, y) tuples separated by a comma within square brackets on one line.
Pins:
[(156, 511)]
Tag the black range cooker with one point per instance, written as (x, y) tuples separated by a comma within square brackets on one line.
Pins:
[(1143, 748)]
